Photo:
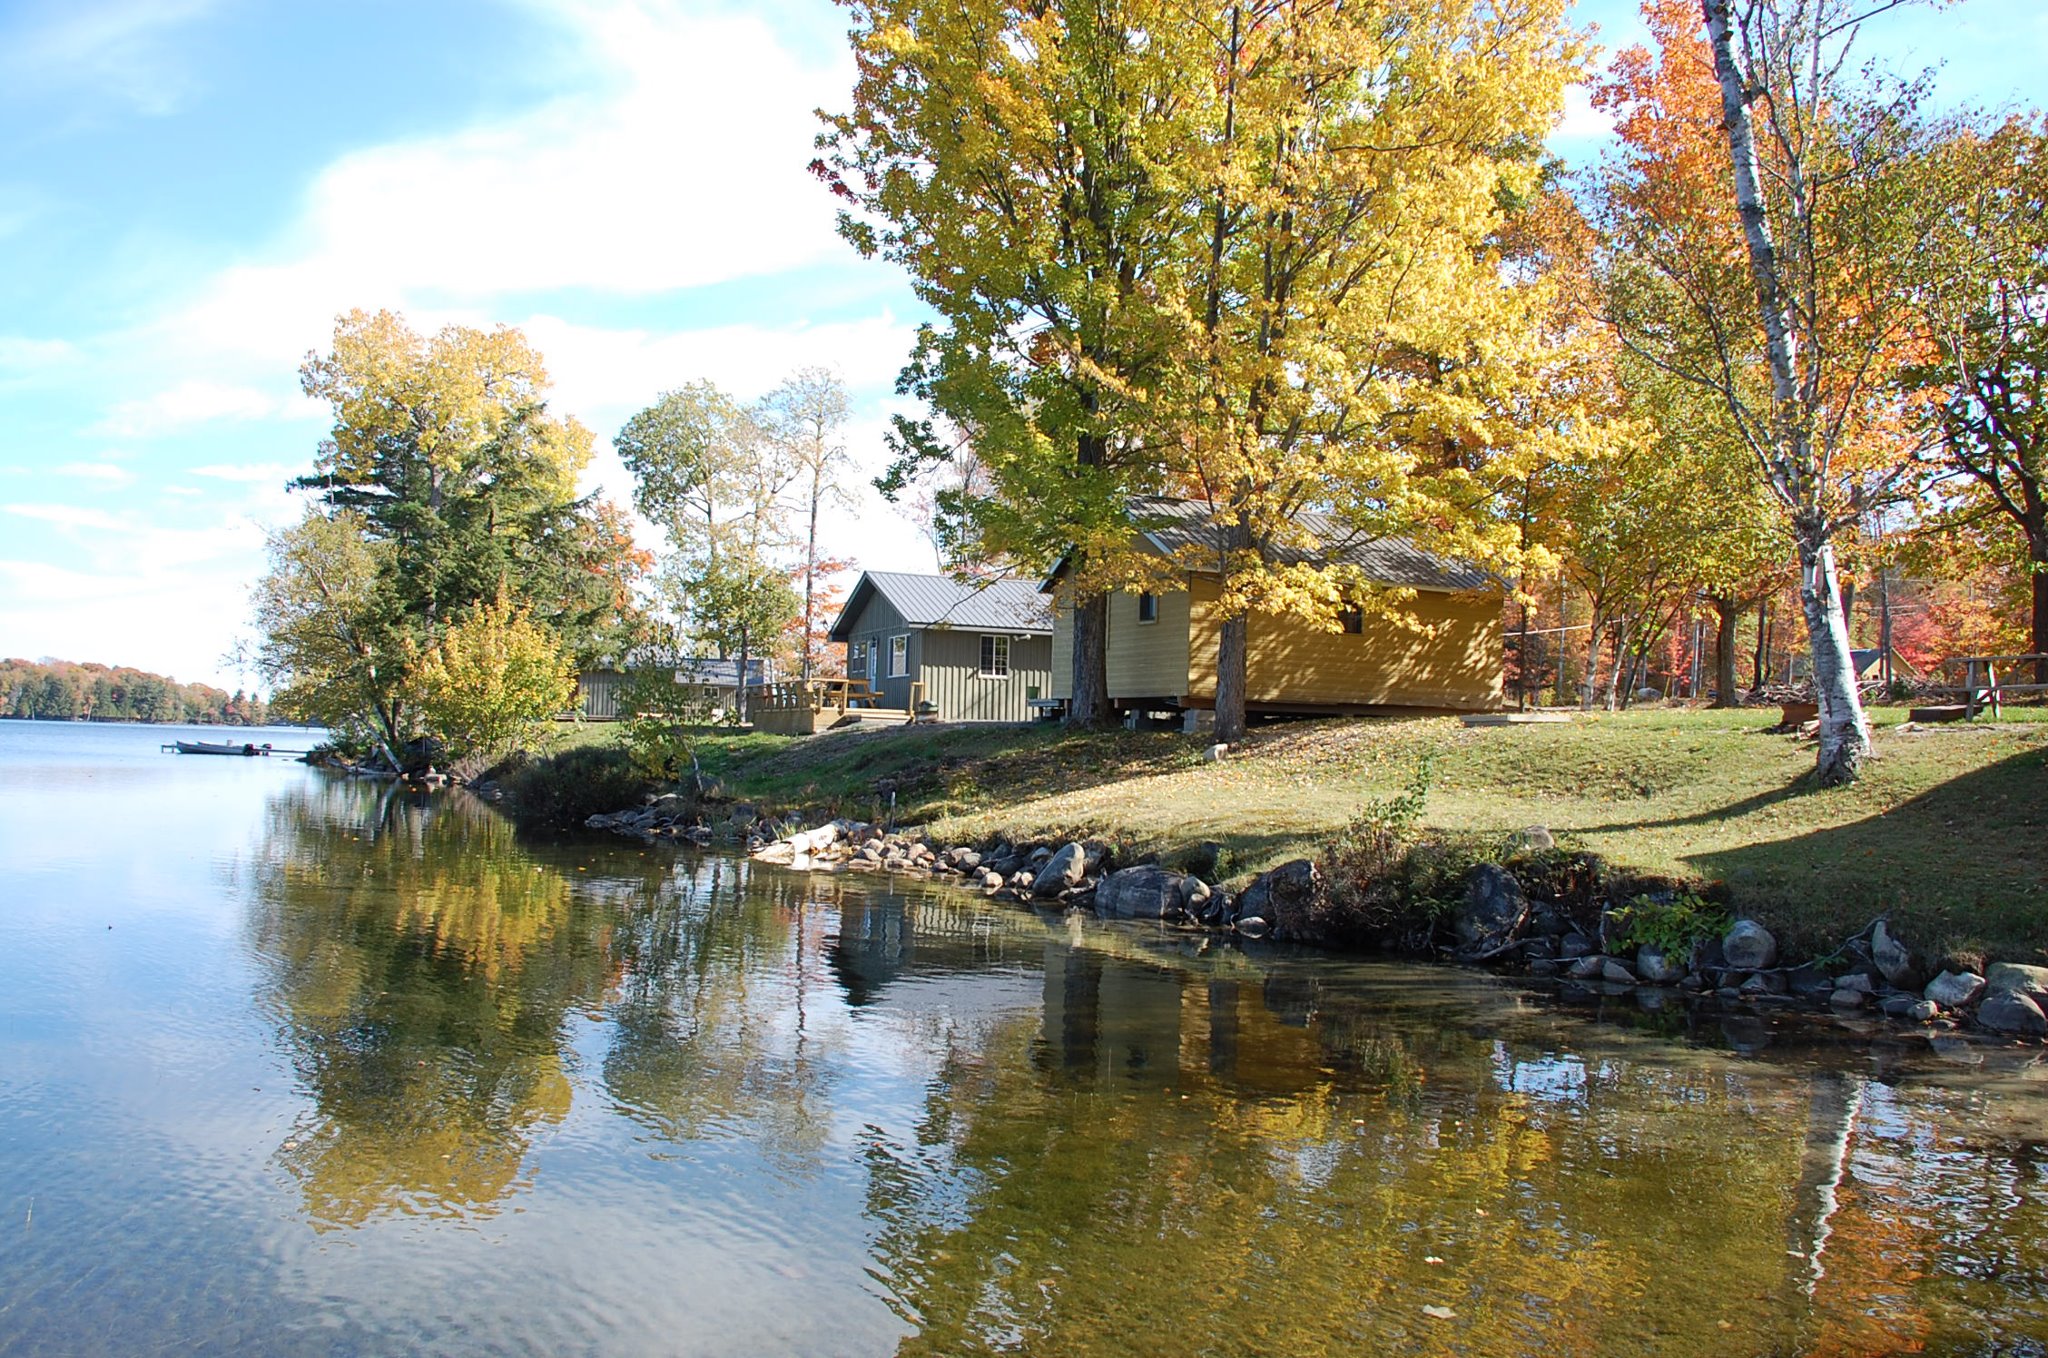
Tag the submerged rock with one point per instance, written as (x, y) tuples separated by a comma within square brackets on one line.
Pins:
[(2008, 1011), (1149, 892)]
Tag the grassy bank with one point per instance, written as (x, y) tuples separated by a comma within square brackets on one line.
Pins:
[(1947, 833)]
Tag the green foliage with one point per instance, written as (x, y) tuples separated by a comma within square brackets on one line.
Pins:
[(561, 791), (661, 720), (1672, 926), (1399, 814)]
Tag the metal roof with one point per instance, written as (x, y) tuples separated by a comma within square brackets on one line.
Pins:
[(1186, 529), (1008, 604)]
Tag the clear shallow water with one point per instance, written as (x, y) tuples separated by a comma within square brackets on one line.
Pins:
[(290, 1065)]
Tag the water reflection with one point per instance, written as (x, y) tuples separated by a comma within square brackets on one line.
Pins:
[(1056, 1138)]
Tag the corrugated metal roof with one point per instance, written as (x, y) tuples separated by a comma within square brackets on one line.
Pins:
[(1180, 527), (1008, 604)]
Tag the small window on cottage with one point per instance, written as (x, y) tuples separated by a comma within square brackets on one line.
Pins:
[(995, 657), (1148, 608), (1352, 619), (899, 656)]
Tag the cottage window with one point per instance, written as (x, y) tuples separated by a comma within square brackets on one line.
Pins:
[(995, 657), (1148, 608), (899, 656), (1351, 619)]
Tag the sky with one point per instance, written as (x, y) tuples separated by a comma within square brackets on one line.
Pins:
[(192, 190)]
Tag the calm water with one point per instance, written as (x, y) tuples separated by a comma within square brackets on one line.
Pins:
[(289, 1065)]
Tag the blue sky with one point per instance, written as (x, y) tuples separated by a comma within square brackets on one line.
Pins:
[(190, 190)]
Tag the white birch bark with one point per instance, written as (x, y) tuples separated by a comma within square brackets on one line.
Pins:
[(1795, 473)]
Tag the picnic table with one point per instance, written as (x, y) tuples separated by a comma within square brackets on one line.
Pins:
[(1981, 688)]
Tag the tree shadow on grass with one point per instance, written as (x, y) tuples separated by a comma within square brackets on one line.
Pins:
[(1962, 867), (1804, 785)]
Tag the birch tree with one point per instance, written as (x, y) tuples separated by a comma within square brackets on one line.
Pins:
[(1788, 291), (805, 417)]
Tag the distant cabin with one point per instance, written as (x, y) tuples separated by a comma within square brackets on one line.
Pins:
[(712, 681), (975, 652), (1162, 646)]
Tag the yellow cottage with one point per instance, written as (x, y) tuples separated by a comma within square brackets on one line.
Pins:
[(1162, 647)]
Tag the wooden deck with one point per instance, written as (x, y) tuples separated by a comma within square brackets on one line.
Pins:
[(805, 707)]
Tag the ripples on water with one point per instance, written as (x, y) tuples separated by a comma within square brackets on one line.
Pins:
[(296, 1066)]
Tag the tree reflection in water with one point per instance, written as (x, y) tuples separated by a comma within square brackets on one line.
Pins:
[(1058, 1138)]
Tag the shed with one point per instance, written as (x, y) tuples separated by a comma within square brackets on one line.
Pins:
[(978, 650)]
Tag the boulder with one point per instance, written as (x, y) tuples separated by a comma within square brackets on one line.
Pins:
[(1924, 1011), (1849, 999), (1749, 946), (1895, 960), (1954, 989), (1532, 839), (1214, 754), (963, 859), (1283, 898), (1654, 967), (2016, 978), (2009, 1011), (1858, 981), (1611, 970), (1494, 908), (991, 881), (1575, 945), (1064, 869), (1194, 894), (1252, 926), (1588, 968), (1139, 893)]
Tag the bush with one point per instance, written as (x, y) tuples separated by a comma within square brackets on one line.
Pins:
[(563, 790), (1671, 926)]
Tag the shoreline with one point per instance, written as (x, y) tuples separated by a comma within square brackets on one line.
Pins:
[(1546, 913)]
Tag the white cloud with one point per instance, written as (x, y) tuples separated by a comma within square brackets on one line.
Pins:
[(1581, 118), (106, 472), (254, 472), (190, 403), (22, 356), (685, 170)]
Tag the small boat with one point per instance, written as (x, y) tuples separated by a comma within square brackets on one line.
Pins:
[(219, 747)]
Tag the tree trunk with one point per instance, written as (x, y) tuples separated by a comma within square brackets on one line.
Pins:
[(1844, 735), (1232, 652), (810, 577), (1589, 682), (739, 701), (1763, 644), (1089, 705), (1726, 614), (2037, 552), (1522, 664), (1795, 474)]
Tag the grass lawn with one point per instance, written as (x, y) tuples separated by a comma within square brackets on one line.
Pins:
[(1947, 833)]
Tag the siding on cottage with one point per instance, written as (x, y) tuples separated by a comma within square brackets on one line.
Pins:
[(950, 665), (879, 621), (1450, 658)]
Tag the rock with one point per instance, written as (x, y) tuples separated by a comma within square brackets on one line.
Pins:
[(1252, 926), (1494, 908), (1611, 970), (1849, 999), (1214, 754), (1587, 968), (1539, 947), (1575, 945), (1139, 893), (1656, 968), (1764, 983), (1283, 898), (1954, 989), (1924, 1011), (1749, 946), (1194, 894), (1064, 869), (2016, 978), (1895, 960), (2009, 1011), (1022, 880), (1544, 966), (1857, 981), (992, 881), (1809, 982), (1900, 1005), (963, 859), (1532, 839)]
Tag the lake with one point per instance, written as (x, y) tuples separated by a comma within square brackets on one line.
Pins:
[(293, 1065)]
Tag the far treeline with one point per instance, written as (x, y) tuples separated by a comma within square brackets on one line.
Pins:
[(58, 690), (1272, 258)]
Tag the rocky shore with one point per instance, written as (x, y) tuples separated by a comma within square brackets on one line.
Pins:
[(1542, 911)]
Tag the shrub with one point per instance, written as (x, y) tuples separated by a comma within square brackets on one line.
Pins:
[(1672, 926), (563, 790)]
